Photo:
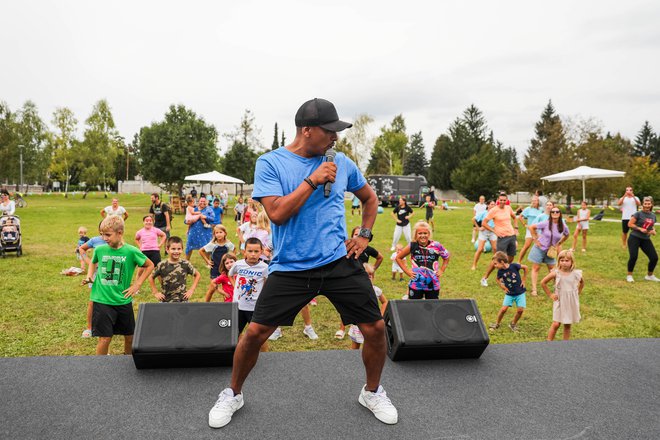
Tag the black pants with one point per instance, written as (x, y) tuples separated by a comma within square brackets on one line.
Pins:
[(634, 244)]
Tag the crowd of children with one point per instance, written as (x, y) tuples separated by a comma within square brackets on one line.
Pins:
[(238, 274)]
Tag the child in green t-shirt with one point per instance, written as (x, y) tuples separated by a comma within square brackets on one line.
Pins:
[(112, 291)]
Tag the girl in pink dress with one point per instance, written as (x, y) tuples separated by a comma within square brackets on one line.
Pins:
[(566, 299)]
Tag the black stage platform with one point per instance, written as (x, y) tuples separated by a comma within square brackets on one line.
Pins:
[(600, 389)]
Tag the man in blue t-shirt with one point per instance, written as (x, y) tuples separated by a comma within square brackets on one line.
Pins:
[(311, 253)]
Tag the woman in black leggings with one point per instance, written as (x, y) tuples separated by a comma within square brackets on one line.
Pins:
[(642, 225)]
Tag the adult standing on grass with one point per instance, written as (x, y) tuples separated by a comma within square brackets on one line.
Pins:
[(114, 209), (162, 214), (289, 182), (506, 235), (476, 210), (529, 216), (7, 206), (642, 225), (629, 204), (547, 245), (401, 213), (198, 233)]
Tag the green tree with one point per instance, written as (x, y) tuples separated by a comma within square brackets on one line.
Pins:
[(32, 134), (344, 146), (358, 138), (647, 143), (127, 164), (509, 158), (646, 177), (464, 138), (246, 133), (181, 145), (549, 153), (388, 153), (101, 146), (276, 144), (239, 162), (609, 152), (481, 173), (415, 156), (8, 144), (62, 143), (437, 171)]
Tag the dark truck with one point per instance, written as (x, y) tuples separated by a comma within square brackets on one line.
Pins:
[(390, 188)]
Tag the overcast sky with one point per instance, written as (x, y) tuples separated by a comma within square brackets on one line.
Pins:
[(426, 60)]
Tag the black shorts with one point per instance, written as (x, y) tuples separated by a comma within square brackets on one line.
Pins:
[(110, 320), (244, 318), (344, 282), (624, 226), (154, 256), (423, 294), (429, 216)]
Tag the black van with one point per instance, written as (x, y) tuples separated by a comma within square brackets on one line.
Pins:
[(389, 188)]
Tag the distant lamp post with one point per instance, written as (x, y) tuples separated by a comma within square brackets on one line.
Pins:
[(20, 150)]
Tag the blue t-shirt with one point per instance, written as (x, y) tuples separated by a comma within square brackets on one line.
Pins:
[(315, 235), (479, 218), (217, 213), (532, 215), (511, 279), (95, 241), (541, 218)]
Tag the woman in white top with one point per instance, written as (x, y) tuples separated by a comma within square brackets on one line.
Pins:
[(629, 205), (7, 206), (582, 219)]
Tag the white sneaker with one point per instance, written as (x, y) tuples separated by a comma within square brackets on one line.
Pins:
[(225, 407), (484, 282), (310, 333), (277, 334), (392, 248), (379, 404), (651, 278), (630, 279)]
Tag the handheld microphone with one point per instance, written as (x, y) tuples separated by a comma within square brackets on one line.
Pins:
[(329, 157)]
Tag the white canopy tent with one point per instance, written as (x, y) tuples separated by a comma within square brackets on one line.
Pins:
[(583, 173), (214, 177)]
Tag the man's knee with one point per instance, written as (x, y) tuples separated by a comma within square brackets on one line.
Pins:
[(373, 330)]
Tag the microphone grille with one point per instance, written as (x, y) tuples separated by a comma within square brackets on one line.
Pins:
[(330, 153)]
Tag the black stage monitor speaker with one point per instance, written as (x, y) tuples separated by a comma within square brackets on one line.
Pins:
[(175, 335), (434, 329)]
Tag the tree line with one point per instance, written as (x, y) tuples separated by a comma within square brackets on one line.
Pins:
[(467, 157)]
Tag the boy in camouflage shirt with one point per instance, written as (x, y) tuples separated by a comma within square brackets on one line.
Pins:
[(172, 273)]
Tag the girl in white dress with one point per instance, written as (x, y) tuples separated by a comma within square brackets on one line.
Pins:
[(566, 299)]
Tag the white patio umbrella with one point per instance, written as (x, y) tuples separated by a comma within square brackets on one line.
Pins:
[(583, 173)]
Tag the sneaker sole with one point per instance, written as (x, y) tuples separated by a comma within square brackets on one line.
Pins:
[(220, 424), (387, 422)]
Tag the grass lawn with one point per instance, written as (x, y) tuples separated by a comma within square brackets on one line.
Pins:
[(43, 312)]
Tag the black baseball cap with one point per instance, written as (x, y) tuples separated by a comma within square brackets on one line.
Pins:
[(319, 112)]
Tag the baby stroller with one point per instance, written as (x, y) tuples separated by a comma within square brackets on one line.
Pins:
[(10, 235)]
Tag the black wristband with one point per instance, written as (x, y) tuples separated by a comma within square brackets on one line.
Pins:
[(309, 181)]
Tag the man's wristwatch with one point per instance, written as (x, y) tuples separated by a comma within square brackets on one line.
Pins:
[(366, 233)]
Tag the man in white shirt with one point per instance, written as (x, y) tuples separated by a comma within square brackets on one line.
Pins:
[(629, 205)]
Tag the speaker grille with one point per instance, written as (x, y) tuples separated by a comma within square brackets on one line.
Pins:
[(452, 323)]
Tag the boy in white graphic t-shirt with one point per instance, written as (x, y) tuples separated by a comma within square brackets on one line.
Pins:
[(251, 274)]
